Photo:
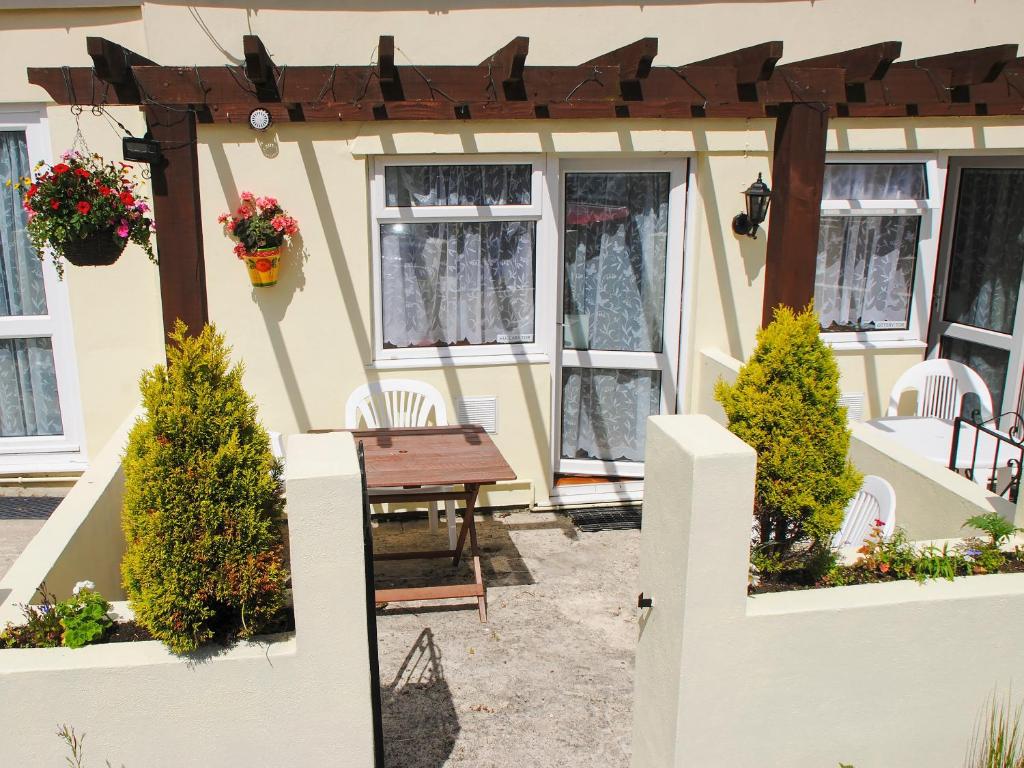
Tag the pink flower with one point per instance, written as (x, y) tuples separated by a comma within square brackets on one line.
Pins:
[(244, 212), (247, 197), (240, 250), (222, 218), (141, 207), (278, 223), (266, 202), (122, 231), (231, 226)]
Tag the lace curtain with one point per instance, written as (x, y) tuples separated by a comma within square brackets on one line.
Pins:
[(988, 249), (604, 412), (616, 228), (446, 283), (412, 186), (866, 263), (28, 382), (616, 231), (865, 273)]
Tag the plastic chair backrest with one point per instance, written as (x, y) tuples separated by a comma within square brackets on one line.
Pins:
[(940, 384), (876, 500), (395, 403)]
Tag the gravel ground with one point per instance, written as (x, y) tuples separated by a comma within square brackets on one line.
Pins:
[(548, 681)]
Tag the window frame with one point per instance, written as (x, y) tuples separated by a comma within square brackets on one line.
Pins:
[(381, 213), (915, 335), (50, 453)]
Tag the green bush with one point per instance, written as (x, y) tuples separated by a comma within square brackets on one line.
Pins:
[(204, 558), (785, 404)]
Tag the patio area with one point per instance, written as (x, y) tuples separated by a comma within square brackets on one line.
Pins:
[(547, 681)]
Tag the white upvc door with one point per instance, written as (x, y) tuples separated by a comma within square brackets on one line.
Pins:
[(619, 291), (40, 415), (978, 315)]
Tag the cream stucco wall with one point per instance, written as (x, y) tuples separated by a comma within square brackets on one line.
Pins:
[(307, 342), (300, 698), (874, 675)]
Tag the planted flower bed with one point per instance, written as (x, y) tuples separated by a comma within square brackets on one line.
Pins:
[(898, 559)]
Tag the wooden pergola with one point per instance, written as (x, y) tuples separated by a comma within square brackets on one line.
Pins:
[(622, 84)]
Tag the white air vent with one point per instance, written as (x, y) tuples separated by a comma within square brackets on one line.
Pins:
[(854, 402), (478, 410)]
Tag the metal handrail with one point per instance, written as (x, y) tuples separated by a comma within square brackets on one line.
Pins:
[(1009, 440)]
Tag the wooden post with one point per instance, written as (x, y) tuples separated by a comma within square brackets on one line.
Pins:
[(177, 214), (798, 174)]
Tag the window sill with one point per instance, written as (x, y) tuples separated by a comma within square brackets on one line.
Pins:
[(460, 361), (859, 345)]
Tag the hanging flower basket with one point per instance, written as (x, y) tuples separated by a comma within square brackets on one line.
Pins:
[(84, 210), (261, 228), (100, 249), (263, 265)]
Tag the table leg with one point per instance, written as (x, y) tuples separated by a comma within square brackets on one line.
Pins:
[(467, 516), (469, 527)]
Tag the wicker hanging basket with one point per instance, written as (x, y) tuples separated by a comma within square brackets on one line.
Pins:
[(98, 250)]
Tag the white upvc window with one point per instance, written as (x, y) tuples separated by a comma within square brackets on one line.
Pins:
[(456, 244), (877, 246), (40, 415)]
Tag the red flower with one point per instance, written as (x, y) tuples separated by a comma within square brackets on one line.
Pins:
[(32, 191), (82, 172), (104, 189), (84, 206), (883, 567), (54, 204), (240, 250), (60, 168), (126, 198), (879, 523)]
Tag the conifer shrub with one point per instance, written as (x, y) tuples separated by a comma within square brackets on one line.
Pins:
[(202, 504), (785, 404)]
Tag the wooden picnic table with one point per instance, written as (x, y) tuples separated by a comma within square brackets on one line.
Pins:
[(404, 459)]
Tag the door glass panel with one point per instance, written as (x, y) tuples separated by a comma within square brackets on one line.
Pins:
[(616, 233), (416, 186), (989, 362), (605, 410), (988, 249), (21, 276), (28, 389)]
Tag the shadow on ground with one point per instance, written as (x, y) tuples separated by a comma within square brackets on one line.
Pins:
[(420, 723), (501, 561)]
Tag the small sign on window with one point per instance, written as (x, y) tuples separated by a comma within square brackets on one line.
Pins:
[(514, 338), (887, 325)]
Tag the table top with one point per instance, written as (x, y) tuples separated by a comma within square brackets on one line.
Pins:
[(933, 439), (411, 456)]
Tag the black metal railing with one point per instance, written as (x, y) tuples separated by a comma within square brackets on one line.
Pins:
[(997, 444)]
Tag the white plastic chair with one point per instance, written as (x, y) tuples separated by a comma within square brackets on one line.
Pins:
[(876, 500), (940, 384), (401, 403)]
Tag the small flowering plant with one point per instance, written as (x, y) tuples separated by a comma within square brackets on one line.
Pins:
[(83, 198), (258, 222)]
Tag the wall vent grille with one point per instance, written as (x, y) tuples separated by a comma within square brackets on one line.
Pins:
[(478, 410), (854, 402)]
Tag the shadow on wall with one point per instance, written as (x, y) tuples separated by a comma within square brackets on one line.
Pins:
[(420, 722)]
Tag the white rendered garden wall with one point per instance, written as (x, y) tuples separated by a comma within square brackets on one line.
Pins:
[(874, 675), (300, 699)]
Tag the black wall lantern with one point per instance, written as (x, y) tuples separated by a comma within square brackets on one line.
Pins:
[(758, 196)]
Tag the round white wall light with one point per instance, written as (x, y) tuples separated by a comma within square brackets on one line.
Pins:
[(259, 119)]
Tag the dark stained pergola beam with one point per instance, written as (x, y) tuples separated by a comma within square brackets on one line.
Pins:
[(753, 64), (387, 72), (113, 64), (507, 63), (870, 62), (980, 65), (634, 63)]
